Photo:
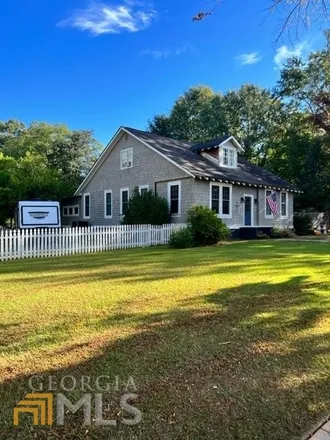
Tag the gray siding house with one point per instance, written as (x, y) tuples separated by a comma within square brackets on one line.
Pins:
[(211, 174)]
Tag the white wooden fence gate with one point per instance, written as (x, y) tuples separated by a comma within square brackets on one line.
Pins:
[(37, 243)]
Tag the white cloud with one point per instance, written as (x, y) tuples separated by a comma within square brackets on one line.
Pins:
[(249, 58), (165, 53), (283, 53), (100, 18)]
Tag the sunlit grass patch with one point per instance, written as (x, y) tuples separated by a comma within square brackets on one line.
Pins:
[(230, 339)]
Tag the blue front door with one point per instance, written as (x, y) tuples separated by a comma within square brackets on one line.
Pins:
[(247, 211)]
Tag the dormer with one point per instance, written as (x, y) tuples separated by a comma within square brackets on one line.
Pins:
[(221, 151)]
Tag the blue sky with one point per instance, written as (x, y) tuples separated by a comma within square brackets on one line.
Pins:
[(98, 65)]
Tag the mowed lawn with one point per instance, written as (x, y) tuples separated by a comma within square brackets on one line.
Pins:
[(229, 342)]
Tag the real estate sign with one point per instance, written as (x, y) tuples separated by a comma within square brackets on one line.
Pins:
[(38, 214)]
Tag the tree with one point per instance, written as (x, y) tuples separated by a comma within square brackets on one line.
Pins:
[(294, 14), (306, 86), (8, 189), (146, 209), (196, 116), (255, 119), (300, 157), (42, 161), (250, 114)]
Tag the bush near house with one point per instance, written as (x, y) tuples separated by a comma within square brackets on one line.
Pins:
[(146, 209), (302, 223), (206, 227), (282, 233), (181, 239)]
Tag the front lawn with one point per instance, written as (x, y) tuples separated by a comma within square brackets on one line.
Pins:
[(230, 342)]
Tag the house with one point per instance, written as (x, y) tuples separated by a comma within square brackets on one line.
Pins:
[(211, 174)]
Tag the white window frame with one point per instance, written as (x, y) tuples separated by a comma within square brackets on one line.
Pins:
[(141, 187), (84, 205), (169, 186), (108, 191), (286, 204), (121, 198), (222, 185), (73, 208), (222, 156), (125, 150), (271, 216)]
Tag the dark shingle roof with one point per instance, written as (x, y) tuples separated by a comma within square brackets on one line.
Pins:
[(182, 154), (210, 144)]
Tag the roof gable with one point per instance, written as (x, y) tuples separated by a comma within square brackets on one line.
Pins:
[(136, 134), (219, 142)]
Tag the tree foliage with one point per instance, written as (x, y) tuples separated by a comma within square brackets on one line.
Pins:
[(250, 113), (286, 130), (41, 161), (146, 208), (205, 226)]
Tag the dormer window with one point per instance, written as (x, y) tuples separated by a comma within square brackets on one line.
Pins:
[(221, 151), (228, 157)]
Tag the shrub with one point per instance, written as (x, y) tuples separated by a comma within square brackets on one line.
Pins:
[(281, 233), (206, 227), (146, 209), (181, 239), (302, 222), (261, 235)]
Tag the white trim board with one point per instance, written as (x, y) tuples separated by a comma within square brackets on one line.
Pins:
[(84, 206), (121, 199), (106, 192), (169, 185)]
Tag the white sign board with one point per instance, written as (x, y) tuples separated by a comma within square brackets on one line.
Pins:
[(37, 214)]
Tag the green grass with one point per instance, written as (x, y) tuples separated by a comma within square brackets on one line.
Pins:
[(230, 342)]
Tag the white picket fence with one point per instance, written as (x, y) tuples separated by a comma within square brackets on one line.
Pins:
[(38, 243)]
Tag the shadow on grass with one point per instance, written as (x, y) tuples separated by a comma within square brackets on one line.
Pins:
[(250, 362), (160, 263)]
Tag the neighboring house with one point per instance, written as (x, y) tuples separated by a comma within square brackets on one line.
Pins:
[(211, 174)]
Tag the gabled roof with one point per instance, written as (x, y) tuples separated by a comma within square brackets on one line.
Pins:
[(202, 146), (183, 154)]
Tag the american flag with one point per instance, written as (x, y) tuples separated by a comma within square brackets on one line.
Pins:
[(272, 203)]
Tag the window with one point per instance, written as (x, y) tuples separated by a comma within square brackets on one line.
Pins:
[(284, 204), (124, 199), (268, 211), (232, 158), (143, 189), (126, 158), (174, 197), (225, 200), (215, 202), (71, 211), (221, 200), (229, 157), (87, 205), (108, 204), (225, 156)]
